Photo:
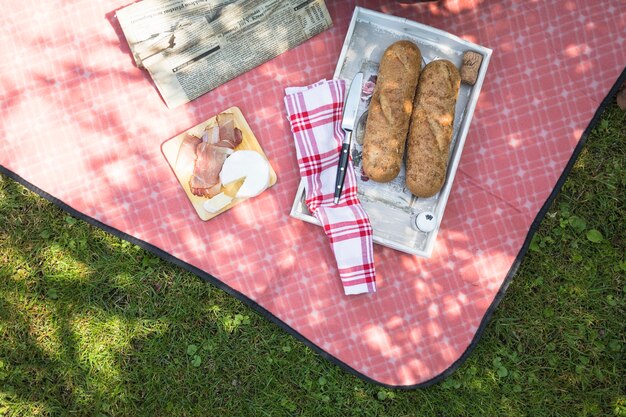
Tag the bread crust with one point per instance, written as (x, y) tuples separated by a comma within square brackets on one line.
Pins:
[(390, 110), (432, 124)]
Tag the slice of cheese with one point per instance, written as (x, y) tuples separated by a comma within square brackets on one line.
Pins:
[(250, 165), (218, 202)]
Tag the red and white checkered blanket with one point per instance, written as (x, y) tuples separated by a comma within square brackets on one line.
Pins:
[(315, 116)]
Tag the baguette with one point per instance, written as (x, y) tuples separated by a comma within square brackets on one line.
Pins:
[(390, 111), (432, 124)]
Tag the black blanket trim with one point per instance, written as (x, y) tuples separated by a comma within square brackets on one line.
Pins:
[(213, 280)]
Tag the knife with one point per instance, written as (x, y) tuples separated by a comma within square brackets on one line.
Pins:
[(348, 122)]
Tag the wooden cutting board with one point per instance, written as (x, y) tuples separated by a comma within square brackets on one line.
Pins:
[(170, 150)]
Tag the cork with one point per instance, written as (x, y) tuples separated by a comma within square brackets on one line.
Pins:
[(470, 67)]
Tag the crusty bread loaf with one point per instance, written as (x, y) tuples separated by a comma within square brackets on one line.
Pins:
[(390, 111), (432, 123)]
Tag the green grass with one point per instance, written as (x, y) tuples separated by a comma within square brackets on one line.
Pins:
[(92, 325)]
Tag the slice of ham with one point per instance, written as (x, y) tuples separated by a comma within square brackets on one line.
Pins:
[(211, 135), (186, 155), (218, 141), (205, 181), (230, 136)]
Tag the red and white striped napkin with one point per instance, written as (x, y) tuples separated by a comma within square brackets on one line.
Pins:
[(314, 113)]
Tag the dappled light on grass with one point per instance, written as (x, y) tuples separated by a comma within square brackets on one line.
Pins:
[(60, 264)]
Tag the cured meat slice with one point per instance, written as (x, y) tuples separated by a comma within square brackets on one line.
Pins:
[(218, 141), (229, 135), (211, 135), (205, 181), (186, 155)]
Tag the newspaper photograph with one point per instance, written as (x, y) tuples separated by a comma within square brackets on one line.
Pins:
[(190, 47)]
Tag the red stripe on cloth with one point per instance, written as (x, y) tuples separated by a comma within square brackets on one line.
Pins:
[(327, 199), (308, 119), (315, 164), (325, 110), (348, 224), (313, 203), (343, 233), (358, 268), (356, 282), (365, 279), (354, 234)]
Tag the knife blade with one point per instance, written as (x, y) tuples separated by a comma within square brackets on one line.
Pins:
[(348, 123)]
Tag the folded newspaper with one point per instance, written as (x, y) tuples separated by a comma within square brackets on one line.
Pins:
[(190, 47)]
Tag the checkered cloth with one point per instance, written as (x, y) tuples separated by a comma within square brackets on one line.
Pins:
[(315, 116)]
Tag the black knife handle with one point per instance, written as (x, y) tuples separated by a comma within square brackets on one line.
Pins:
[(343, 166)]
